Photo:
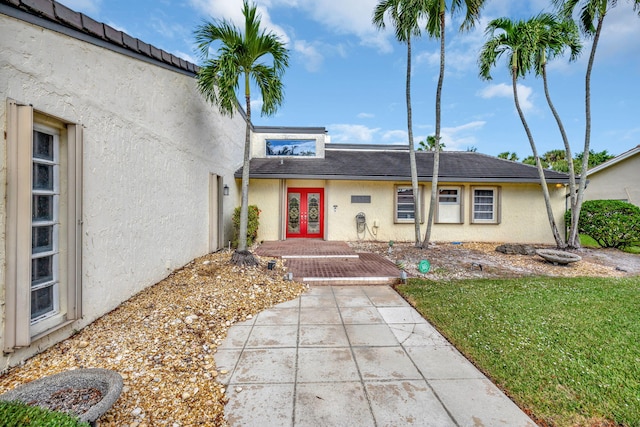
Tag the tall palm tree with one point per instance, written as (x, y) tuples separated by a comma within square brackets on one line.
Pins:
[(591, 19), (405, 16), (241, 54), (556, 37), (519, 40), (436, 29)]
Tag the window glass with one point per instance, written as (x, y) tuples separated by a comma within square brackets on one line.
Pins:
[(43, 229), (405, 209), (291, 147), (483, 204), (42, 177), (41, 239), (448, 195), (41, 270), (42, 145), (42, 208), (42, 301)]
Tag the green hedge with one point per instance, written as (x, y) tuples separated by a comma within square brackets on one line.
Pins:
[(611, 223), (18, 414), (252, 225)]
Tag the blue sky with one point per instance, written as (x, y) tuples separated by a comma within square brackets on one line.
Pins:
[(350, 78)]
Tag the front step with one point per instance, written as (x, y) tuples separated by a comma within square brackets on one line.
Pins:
[(363, 269)]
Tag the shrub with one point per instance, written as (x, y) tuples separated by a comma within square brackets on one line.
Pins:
[(611, 223), (18, 414), (252, 225)]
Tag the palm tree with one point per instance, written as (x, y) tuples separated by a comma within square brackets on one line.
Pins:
[(241, 55), (405, 16), (592, 14), (436, 29), (559, 35), (429, 144), (507, 155), (520, 41)]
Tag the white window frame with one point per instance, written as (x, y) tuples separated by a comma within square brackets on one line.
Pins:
[(459, 202), (496, 205), (396, 203), (19, 329)]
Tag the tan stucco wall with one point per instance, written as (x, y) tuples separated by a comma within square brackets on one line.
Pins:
[(620, 181), (523, 213), (150, 145)]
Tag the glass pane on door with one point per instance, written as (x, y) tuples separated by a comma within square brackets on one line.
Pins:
[(293, 213), (313, 210)]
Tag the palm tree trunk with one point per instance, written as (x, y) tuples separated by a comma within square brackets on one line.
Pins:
[(567, 151), (242, 256), (543, 181), (412, 153), (436, 148), (574, 238)]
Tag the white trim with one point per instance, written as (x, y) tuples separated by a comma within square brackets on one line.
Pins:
[(615, 160)]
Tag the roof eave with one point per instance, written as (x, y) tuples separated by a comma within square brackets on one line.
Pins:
[(238, 175)]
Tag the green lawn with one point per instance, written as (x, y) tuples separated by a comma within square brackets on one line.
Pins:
[(589, 242), (566, 349)]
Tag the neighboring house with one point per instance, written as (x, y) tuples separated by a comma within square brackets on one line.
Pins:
[(308, 187), (616, 179), (112, 168)]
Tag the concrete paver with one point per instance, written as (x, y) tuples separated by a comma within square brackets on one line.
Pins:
[(353, 356)]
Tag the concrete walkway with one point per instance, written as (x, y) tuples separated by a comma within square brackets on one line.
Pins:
[(353, 356)]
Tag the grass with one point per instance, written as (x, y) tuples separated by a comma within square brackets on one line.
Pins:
[(565, 349), (18, 414), (590, 242)]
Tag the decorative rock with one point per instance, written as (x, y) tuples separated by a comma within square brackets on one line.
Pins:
[(558, 257), (83, 344), (516, 249)]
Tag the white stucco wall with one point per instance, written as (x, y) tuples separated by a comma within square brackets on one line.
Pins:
[(620, 181), (150, 144), (523, 213)]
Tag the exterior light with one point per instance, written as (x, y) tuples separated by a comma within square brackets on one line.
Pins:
[(225, 190)]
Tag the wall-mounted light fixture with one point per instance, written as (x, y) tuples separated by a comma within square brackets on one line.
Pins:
[(225, 190)]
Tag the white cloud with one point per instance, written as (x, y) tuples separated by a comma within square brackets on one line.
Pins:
[(365, 116), (231, 10), (461, 137), (311, 56), (620, 33), (395, 137), (352, 134), (89, 7), (256, 105), (186, 56), (503, 90), (347, 17)]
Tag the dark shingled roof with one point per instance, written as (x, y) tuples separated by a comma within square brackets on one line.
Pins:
[(393, 165), (56, 16)]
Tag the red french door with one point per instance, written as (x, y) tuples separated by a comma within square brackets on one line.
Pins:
[(305, 212)]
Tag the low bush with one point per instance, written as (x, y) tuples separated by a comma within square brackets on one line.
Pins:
[(252, 225), (18, 414), (611, 223)]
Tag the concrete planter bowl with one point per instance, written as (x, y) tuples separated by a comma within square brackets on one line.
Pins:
[(105, 386), (558, 257)]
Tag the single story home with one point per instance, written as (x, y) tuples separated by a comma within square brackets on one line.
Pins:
[(306, 186), (616, 179), (112, 169)]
